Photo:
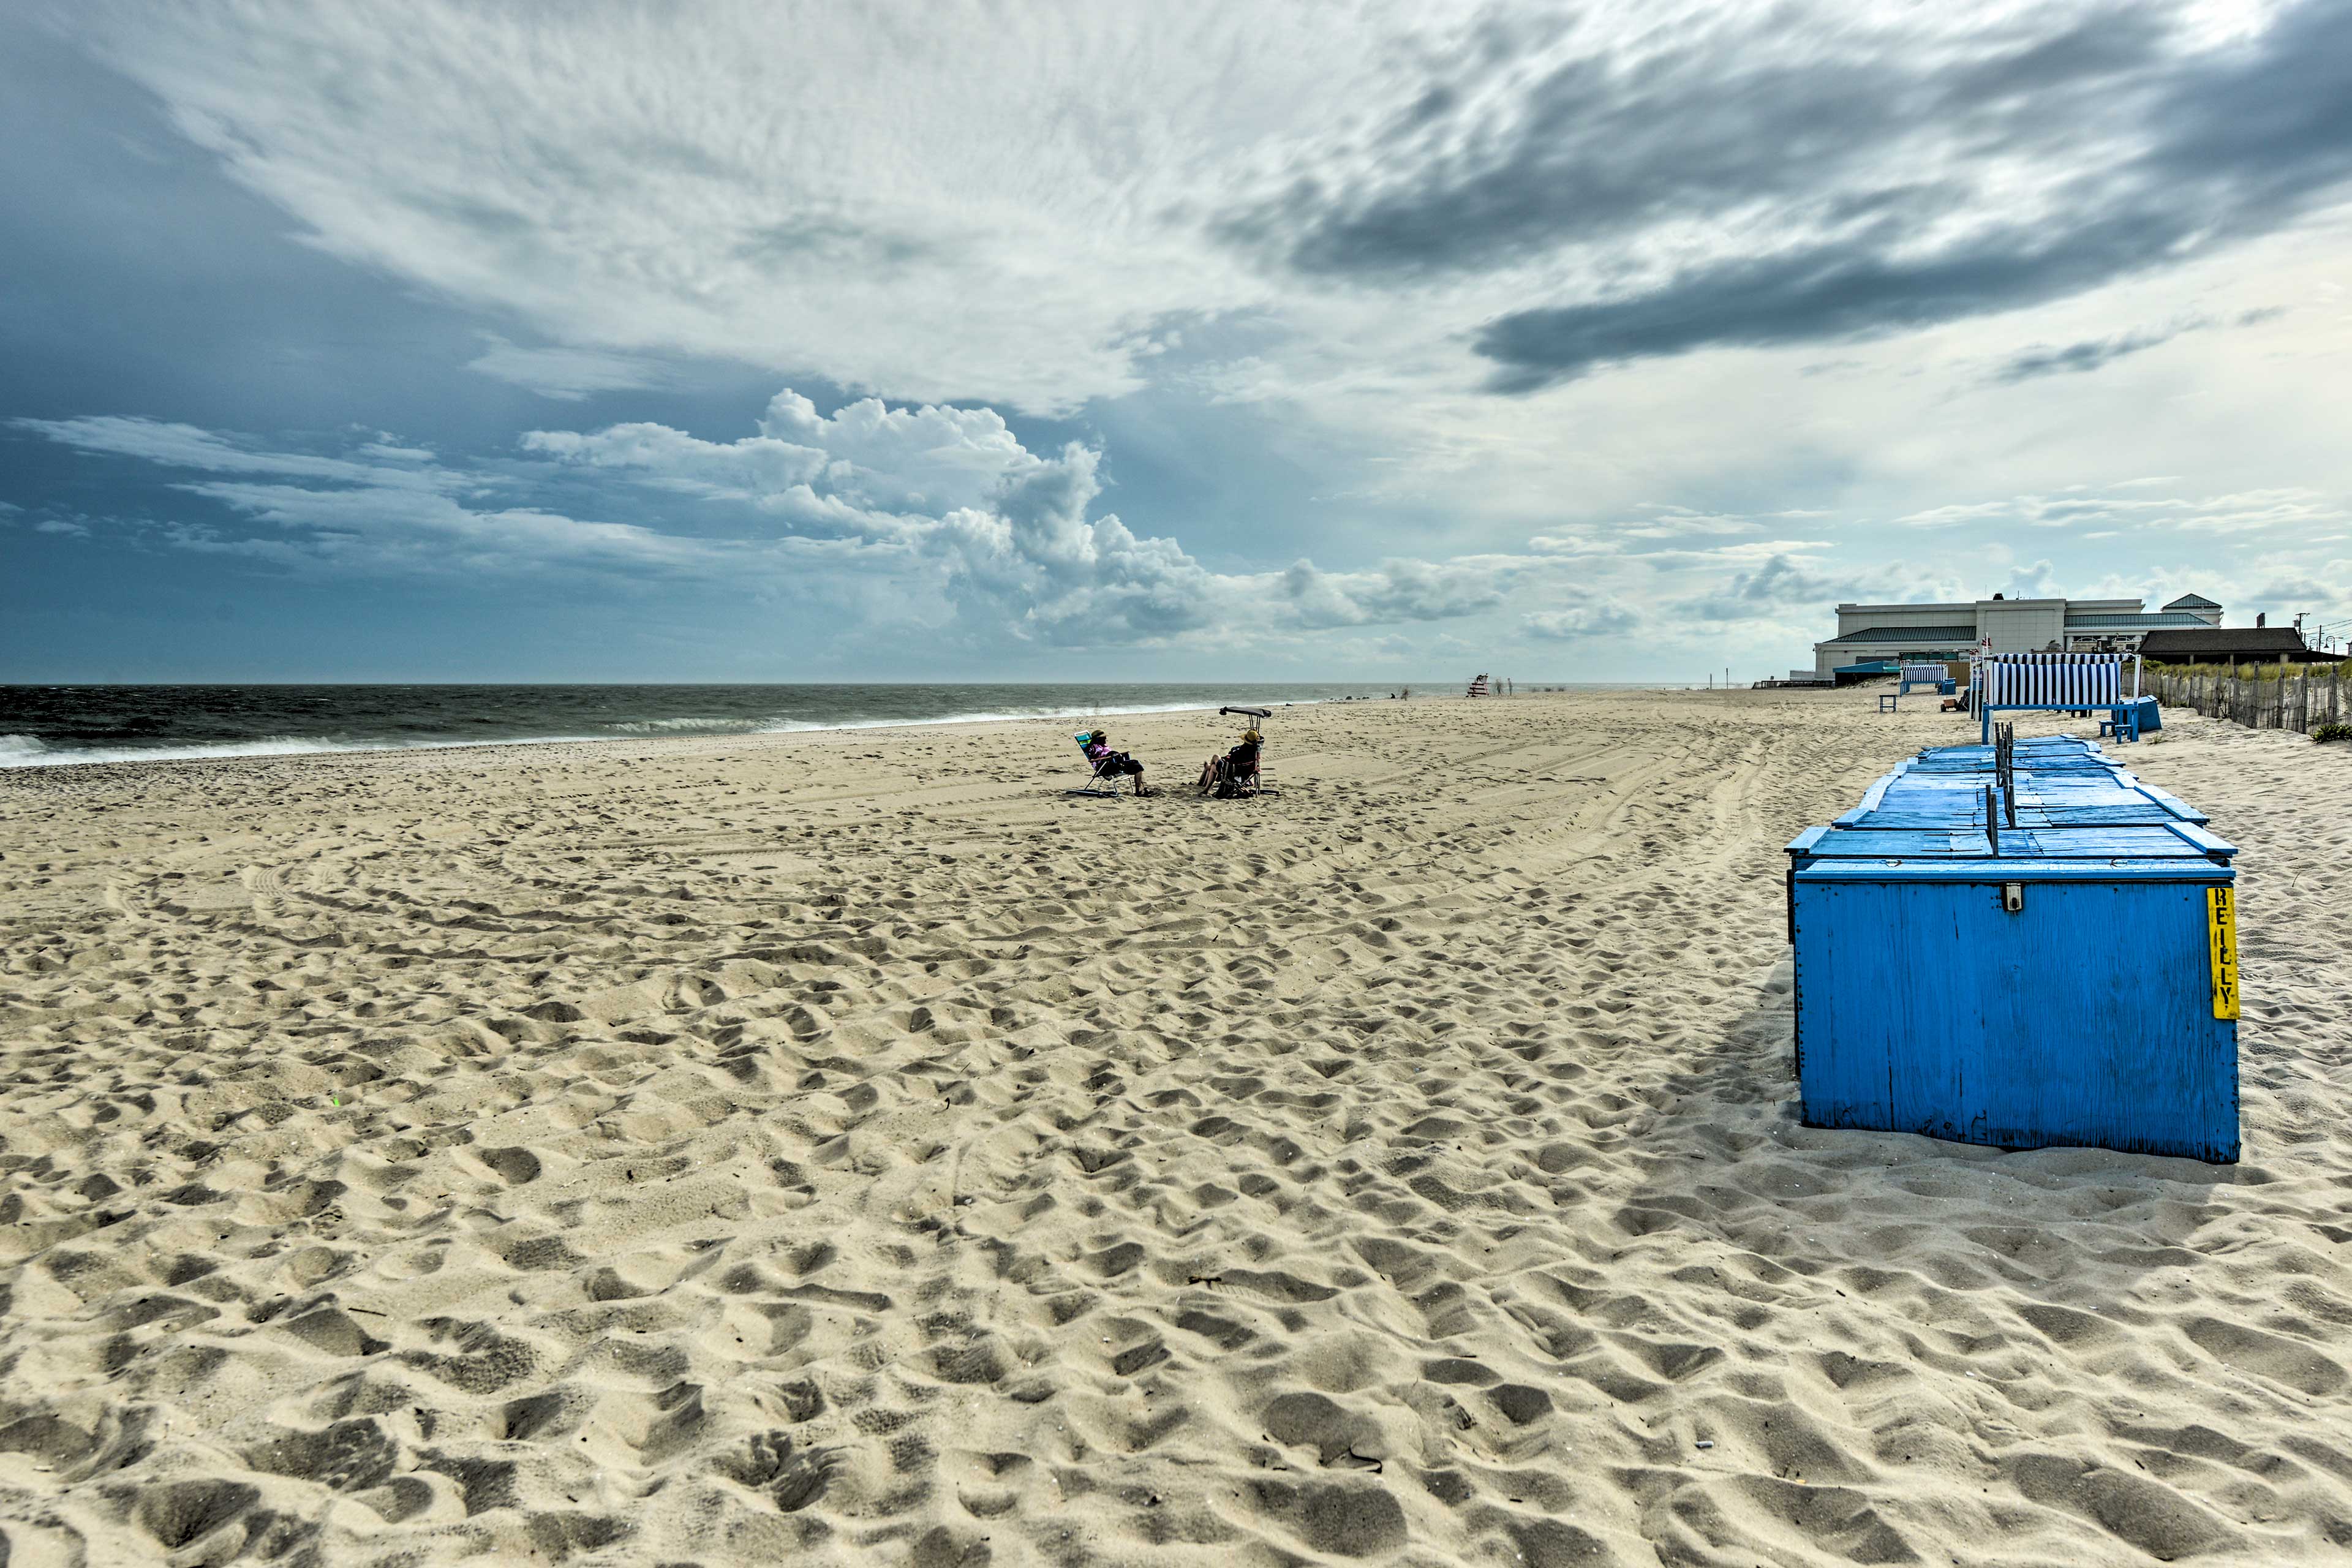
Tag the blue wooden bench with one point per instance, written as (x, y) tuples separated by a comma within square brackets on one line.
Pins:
[(2131, 719)]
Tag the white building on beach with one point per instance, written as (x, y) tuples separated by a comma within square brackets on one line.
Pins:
[(1871, 634)]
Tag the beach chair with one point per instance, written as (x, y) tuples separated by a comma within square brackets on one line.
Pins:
[(1259, 780), (1099, 784)]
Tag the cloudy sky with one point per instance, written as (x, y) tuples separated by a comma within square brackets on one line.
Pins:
[(714, 341)]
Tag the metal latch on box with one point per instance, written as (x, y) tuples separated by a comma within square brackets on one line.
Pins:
[(2012, 897)]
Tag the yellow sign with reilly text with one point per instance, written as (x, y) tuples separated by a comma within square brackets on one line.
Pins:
[(2222, 940)]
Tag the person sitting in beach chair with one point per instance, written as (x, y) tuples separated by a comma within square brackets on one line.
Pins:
[(1233, 772), (1110, 766)]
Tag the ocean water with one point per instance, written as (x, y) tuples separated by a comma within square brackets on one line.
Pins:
[(47, 725)]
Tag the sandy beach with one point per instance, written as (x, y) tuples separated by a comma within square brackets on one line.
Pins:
[(849, 1147)]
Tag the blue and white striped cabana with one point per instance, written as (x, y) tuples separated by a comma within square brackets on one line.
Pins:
[(2064, 681)]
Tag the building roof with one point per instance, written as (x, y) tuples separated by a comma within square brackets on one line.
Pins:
[(2257, 644), (1917, 635), (2192, 602), (2132, 623)]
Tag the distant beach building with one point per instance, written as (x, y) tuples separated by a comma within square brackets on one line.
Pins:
[(2233, 645), (2197, 604), (1894, 633)]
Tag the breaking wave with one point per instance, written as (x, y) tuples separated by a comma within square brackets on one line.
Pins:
[(62, 726)]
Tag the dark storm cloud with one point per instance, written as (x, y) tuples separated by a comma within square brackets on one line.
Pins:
[(2097, 353), (2079, 358), (1599, 145), (1837, 290), (1875, 185)]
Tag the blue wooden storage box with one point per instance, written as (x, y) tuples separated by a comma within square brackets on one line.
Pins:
[(2050, 981), (1903, 800)]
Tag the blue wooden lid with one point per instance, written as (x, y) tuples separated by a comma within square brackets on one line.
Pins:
[(1964, 812), (2174, 804), (2136, 842), (1908, 800), (2108, 813), (2088, 785), (2181, 869), (2045, 751), (2022, 764), (2059, 784), (1914, 793), (1906, 778)]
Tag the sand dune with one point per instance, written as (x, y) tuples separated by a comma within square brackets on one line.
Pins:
[(850, 1149)]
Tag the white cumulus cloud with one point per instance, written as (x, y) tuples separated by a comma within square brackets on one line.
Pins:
[(941, 509)]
